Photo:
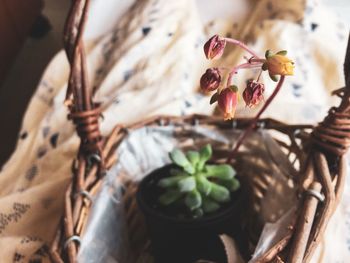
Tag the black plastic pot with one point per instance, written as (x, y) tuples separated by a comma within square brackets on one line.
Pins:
[(185, 240)]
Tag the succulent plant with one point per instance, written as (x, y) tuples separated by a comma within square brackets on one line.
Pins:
[(201, 187)]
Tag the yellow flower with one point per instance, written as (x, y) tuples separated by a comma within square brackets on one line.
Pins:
[(279, 64)]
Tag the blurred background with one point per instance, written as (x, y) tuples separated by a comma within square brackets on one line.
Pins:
[(29, 42)]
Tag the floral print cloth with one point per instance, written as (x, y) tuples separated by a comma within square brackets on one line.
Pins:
[(150, 63)]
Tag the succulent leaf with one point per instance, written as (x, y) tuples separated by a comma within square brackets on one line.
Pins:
[(169, 197), (223, 171), (193, 200), (198, 213), (175, 172), (190, 169), (235, 184), (179, 158), (231, 184), (187, 184), (200, 187), (193, 157), (170, 181), (209, 205), (205, 154), (219, 193), (203, 185)]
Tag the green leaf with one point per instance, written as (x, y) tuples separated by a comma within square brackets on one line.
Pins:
[(214, 98), (193, 157), (190, 169), (187, 184), (205, 154), (234, 88), (222, 171), (209, 205), (235, 184), (193, 200), (186, 172), (176, 172), (232, 184), (203, 184), (282, 52), (273, 77), (219, 193), (264, 66), (169, 197), (179, 158), (170, 181), (268, 53), (198, 213)]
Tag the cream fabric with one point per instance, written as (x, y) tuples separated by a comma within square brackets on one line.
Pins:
[(150, 63)]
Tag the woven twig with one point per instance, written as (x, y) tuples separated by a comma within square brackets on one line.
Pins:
[(327, 143), (83, 111)]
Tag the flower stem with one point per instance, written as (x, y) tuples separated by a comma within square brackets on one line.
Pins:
[(257, 60), (242, 45), (254, 121), (247, 65), (257, 80)]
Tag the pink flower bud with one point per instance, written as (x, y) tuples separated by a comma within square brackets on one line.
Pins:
[(227, 102), (253, 93), (214, 47), (210, 80)]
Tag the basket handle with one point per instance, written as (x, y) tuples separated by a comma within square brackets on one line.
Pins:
[(333, 133), (83, 111), (347, 64)]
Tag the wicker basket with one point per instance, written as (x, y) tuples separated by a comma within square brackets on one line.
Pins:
[(318, 151)]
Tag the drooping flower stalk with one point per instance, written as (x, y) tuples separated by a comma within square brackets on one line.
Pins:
[(254, 121), (242, 45), (234, 70), (277, 65)]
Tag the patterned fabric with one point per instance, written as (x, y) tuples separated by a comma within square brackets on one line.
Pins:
[(150, 63)]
